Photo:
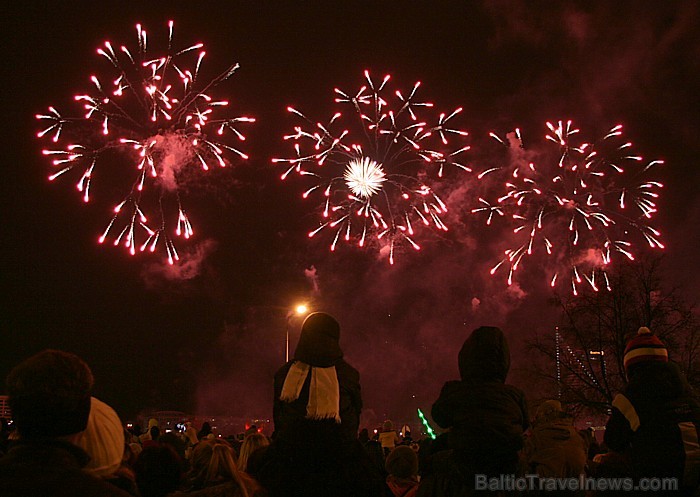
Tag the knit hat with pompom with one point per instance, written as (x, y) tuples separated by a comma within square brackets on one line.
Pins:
[(645, 347), (103, 440)]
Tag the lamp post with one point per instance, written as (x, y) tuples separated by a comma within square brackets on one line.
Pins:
[(299, 310)]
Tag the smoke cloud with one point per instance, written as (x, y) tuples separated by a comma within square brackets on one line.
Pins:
[(172, 152), (187, 268), (403, 325), (312, 277)]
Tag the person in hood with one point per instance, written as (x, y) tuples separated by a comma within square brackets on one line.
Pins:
[(555, 449), (656, 419), (317, 383), (486, 418), (316, 411)]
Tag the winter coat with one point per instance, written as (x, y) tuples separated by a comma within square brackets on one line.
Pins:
[(318, 457), (287, 415), (315, 459), (50, 469), (555, 449), (388, 439), (486, 417), (656, 421)]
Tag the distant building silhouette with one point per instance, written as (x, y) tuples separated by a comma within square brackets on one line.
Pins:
[(5, 407)]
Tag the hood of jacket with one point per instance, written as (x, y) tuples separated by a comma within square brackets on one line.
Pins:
[(485, 355), (319, 341), (560, 429)]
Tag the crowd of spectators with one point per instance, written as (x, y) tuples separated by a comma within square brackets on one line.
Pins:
[(66, 442)]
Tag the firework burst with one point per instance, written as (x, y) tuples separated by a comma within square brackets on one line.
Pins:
[(373, 169), (580, 204), (164, 125)]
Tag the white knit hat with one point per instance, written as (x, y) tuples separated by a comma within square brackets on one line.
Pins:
[(103, 440)]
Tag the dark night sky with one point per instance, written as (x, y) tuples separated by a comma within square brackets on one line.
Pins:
[(211, 343)]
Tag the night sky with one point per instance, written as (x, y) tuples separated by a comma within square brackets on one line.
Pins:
[(209, 341)]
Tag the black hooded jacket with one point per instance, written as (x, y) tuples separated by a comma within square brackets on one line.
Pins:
[(486, 417), (318, 347), (313, 457)]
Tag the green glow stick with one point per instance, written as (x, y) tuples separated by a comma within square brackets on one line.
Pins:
[(430, 431)]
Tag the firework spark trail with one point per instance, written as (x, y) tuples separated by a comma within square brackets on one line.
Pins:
[(373, 167), (165, 123), (581, 206)]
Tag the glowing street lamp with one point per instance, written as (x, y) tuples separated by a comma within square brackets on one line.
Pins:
[(299, 310)]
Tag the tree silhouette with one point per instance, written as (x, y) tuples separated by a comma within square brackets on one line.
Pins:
[(581, 361)]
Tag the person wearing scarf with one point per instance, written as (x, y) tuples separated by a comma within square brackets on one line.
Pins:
[(316, 412), (317, 383)]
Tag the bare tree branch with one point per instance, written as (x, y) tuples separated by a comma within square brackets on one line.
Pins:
[(594, 329)]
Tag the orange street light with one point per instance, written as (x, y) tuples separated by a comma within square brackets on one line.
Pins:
[(299, 310)]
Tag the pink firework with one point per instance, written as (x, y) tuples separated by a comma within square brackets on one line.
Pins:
[(580, 204), (373, 168), (156, 118)]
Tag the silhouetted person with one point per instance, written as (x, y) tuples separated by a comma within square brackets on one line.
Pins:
[(153, 437), (374, 451), (214, 473), (486, 417), (49, 395), (178, 445), (656, 419), (317, 403), (318, 361), (204, 431), (554, 448), (402, 469), (158, 471), (251, 443), (147, 436), (388, 437)]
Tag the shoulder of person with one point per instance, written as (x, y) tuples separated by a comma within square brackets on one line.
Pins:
[(347, 370), (514, 391), (453, 386)]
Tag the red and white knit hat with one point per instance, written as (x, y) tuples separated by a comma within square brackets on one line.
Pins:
[(645, 347)]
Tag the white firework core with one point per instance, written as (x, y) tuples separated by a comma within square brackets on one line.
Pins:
[(364, 177)]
